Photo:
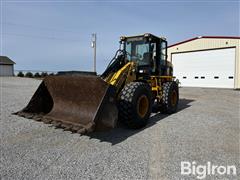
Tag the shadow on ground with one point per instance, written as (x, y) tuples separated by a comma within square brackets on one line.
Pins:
[(121, 133)]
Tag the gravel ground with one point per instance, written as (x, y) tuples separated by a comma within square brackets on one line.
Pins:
[(206, 128)]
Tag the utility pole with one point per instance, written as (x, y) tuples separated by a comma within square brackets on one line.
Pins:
[(94, 46)]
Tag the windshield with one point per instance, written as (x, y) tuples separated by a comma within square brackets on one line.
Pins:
[(138, 51)]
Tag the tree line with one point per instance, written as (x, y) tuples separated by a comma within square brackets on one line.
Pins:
[(34, 75)]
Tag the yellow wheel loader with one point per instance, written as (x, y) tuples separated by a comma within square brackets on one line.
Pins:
[(137, 80)]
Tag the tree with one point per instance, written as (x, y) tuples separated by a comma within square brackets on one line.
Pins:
[(37, 75), (20, 74), (29, 74), (44, 74)]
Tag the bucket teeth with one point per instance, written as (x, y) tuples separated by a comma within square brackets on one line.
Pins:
[(38, 118), (81, 131), (66, 127), (29, 116), (56, 123), (75, 128), (46, 120)]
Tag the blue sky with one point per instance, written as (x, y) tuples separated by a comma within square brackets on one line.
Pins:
[(56, 35)]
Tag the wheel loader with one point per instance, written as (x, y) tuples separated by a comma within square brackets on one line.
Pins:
[(137, 80)]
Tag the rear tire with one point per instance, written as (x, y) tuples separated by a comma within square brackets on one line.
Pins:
[(170, 98), (135, 104)]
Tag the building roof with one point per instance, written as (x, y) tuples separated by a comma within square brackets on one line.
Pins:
[(200, 37), (6, 60)]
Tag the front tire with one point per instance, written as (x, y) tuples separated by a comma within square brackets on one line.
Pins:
[(135, 104)]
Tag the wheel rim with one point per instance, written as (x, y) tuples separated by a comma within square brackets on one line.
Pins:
[(142, 106), (174, 98)]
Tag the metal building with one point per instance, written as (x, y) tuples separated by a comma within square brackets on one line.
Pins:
[(6, 66), (207, 61)]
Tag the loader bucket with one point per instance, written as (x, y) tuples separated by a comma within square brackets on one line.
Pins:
[(78, 103)]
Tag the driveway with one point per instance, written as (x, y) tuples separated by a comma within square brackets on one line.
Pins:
[(206, 128)]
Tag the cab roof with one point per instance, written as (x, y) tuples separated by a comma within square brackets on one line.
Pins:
[(143, 35)]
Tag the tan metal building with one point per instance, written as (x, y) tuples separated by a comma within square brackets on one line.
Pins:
[(207, 61), (6, 66)]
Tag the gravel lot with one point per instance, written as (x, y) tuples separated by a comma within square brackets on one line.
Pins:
[(206, 128)]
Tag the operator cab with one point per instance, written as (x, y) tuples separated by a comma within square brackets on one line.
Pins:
[(148, 51)]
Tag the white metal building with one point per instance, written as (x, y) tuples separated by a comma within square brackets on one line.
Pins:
[(207, 61), (6, 66)]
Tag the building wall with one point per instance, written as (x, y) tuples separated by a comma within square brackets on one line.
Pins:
[(210, 43), (6, 70)]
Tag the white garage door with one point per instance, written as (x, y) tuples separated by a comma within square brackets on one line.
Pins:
[(6, 70), (210, 68)]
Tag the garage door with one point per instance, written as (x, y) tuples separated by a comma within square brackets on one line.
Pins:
[(210, 68), (6, 70)]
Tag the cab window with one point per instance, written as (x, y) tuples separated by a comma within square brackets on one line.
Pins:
[(163, 53)]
